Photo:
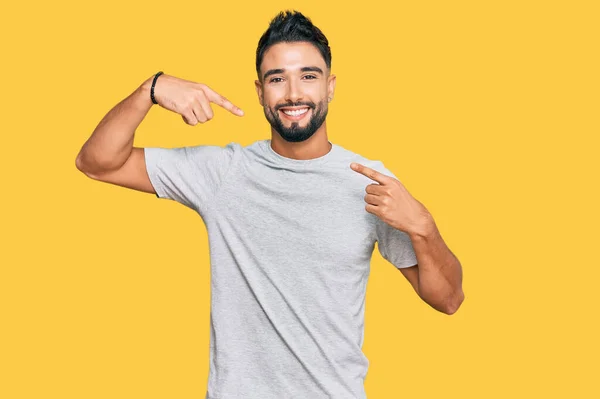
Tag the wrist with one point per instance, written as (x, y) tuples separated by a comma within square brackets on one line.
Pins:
[(144, 92), (145, 87), (152, 94), (424, 229), (141, 97)]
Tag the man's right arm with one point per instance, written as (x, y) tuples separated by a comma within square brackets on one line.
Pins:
[(108, 155)]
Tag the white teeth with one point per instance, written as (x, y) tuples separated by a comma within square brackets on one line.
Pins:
[(295, 112)]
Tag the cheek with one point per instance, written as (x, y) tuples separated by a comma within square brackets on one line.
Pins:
[(272, 94), (319, 90), (271, 101)]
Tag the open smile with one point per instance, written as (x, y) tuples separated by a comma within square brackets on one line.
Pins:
[(294, 114)]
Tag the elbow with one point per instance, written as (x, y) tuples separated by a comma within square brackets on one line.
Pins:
[(454, 304), (444, 302), (78, 163), (91, 169), (80, 167)]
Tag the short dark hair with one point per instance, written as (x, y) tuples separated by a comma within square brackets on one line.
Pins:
[(292, 26)]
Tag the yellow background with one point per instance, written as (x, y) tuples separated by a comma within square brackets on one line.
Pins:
[(486, 111)]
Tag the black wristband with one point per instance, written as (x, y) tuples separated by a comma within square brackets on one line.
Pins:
[(152, 88)]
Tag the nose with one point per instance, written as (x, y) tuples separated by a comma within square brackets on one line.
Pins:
[(293, 93)]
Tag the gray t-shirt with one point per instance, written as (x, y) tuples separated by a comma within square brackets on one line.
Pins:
[(290, 248)]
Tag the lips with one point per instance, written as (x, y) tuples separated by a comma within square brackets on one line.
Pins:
[(297, 113)]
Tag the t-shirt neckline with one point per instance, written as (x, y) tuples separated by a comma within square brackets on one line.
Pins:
[(298, 162)]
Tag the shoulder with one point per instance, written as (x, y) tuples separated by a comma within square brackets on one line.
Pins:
[(229, 147), (207, 152), (346, 157)]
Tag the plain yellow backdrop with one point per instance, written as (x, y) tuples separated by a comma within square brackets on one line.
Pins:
[(486, 111)]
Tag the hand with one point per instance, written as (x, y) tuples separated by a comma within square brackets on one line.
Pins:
[(391, 202), (190, 99)]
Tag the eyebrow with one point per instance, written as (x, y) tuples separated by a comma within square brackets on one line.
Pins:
[(303, 69)]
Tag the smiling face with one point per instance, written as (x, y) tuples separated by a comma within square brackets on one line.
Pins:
[(295, 89)]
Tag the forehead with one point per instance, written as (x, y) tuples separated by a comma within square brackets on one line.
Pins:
[(292, 56)]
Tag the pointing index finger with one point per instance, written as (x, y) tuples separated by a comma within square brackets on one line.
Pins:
[(370, 173), (218, 99)]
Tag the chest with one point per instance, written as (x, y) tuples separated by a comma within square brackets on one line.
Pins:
[(314, 218)]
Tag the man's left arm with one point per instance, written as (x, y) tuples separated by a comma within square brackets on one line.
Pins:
[(438, 277)]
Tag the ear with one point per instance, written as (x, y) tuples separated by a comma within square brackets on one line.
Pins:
[(259, 91), (330, 86)]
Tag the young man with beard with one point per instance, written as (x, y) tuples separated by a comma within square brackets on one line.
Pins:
[(291, 230)]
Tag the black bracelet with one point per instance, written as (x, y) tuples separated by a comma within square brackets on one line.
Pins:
[(152, 88)]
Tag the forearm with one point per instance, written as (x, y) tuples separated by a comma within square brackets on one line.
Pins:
[(111, 143), (440, 272)]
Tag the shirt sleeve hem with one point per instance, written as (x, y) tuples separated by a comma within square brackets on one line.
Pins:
[(151, 164)]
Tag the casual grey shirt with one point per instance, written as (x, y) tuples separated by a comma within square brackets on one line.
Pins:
[(290, 248)]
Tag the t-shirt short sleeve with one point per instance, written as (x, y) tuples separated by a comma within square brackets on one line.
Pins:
[(394, 245), (189, 175)]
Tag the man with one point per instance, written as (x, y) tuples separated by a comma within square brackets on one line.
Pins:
[(290, 235)]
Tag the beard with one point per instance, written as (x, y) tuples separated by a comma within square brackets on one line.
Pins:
[(295, 133)]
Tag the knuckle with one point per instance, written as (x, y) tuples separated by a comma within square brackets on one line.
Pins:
[(201, 96), (206, 91)]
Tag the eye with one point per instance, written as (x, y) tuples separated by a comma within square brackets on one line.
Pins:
[(275, 80)]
